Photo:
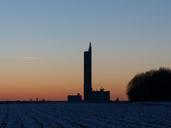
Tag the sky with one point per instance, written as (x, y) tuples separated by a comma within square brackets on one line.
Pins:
[(42, 44)]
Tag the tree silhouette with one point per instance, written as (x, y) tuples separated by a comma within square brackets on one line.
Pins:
[(154, 85)]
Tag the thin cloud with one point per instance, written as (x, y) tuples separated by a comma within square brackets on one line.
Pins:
[(28, 57), (21, 57)]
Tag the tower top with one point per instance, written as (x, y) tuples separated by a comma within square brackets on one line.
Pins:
[(90, 46)]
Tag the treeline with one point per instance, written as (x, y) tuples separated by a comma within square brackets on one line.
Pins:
[(154, 85)]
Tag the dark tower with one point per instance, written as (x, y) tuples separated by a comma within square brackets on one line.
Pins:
[(88, 74)]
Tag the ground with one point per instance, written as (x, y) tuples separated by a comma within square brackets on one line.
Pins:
[(85, 115)]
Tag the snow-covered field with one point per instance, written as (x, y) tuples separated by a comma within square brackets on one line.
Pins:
[(82, 115)]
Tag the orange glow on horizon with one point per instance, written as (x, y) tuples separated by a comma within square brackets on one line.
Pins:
[(45, 79)]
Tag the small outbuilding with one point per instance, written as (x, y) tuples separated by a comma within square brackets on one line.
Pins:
[(74, 98)]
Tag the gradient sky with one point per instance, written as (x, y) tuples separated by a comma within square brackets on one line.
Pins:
[(42, 44)]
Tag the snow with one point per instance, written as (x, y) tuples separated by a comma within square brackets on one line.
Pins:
[(85, 115)]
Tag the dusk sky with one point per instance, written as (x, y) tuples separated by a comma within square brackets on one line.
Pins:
[(42, 44)]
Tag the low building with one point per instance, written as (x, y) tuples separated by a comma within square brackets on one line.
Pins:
[(74, 98), (100, 96)]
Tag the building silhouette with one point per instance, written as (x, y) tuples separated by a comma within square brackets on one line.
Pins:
[(88, 74), (74, 98), (89, 94)]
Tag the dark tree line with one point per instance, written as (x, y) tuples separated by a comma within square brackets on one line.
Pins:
[(154, 85)]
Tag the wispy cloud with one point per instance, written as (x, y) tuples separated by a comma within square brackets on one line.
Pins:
[(28, 57), (21, 57)]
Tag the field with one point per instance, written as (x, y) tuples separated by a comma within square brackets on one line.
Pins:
[(82, 115)]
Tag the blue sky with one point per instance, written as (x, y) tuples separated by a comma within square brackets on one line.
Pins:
[(128, 36), (41, 23)]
